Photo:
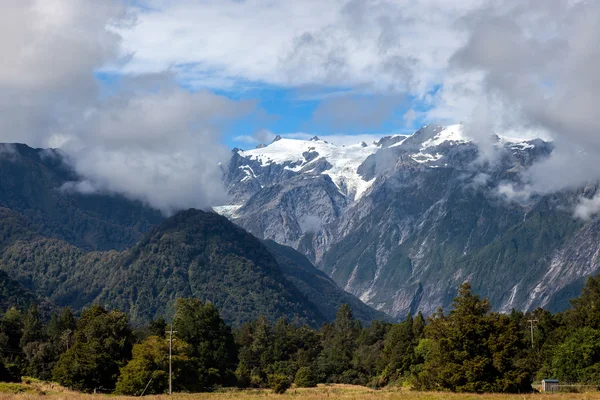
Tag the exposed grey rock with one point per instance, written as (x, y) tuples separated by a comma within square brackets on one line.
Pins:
[(431, 219)]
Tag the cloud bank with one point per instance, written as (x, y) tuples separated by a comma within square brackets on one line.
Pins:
[(141, 135), (515, 65), (105, 80)]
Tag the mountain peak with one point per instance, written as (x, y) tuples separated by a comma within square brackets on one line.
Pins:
[(277, 138), (315, 139)]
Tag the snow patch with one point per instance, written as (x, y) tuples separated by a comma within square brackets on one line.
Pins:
[(229, 211), (344, 161), (513, 142), (425, 157), (451, 133)]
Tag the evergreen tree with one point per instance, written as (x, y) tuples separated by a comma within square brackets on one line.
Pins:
[(212, 342), (398, 351), (256, 353), (339, 343), (103, 344), (577, 360), (586, 308), (61, 329), (474, 350), (366, 360), (11, 330), (40, 355), (33, 329), (305, 378)]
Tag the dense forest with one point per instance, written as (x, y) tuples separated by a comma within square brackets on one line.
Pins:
[(468, 349), (193, 254)]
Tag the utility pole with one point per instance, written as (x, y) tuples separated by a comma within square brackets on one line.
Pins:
[(171, 332), (531, 323)]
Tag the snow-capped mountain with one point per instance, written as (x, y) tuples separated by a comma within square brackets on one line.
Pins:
[(403, 221), (340, 163)]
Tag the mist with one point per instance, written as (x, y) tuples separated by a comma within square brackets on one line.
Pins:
[(135, 95), (141, 135)]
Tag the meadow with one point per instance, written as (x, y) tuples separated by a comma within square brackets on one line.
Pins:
[(47, 391)]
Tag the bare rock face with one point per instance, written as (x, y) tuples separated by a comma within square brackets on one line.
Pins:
[(402, 222)]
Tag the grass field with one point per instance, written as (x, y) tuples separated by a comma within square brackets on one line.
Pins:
[(45, 391)]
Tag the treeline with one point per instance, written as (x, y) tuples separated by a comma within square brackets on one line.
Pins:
[(469, 349)]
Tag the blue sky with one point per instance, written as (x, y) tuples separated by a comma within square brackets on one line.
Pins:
[(284, 111)]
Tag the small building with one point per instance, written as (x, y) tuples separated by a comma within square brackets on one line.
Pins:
[(550, 385)]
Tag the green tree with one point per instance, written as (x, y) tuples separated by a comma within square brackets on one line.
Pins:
[(211, 340), (256, 353), (41, 357), (279, 383), (577, 360), (149, 368), (339, 343), (33, 329), (586, 308), (305, 377), (398, 351), (158, 327), (366, 360), (61, 329), (265, 350), (103, 344), (474, 350), (11, 330)]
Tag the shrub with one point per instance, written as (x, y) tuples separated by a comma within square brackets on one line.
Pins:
[(305, 378), (279, 383)]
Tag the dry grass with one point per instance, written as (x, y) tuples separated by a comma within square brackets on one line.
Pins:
[(45, 391)]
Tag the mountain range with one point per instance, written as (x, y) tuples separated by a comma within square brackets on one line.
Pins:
[(402, 222), (70, 249), (391, 227)]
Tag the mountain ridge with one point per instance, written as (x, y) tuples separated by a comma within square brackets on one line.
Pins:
[(192, 254), (432, 217)]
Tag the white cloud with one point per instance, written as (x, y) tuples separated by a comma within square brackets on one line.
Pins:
[(532, 65), (374, 44), (262, 136), (516, 65), (356, 113), (588, 207), (146, 138)]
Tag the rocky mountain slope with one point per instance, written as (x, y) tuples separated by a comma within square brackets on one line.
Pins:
[(428, 215)]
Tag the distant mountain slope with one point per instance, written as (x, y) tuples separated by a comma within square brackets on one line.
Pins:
[(319, 288), (192, 254), (32, 183), (12, 294), (203, 255)]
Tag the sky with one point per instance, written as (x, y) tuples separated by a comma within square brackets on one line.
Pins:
[(154, 93)]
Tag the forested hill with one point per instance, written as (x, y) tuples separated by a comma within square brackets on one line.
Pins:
[(203, 255), (318, 287), (192, 254), (35, 183)]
